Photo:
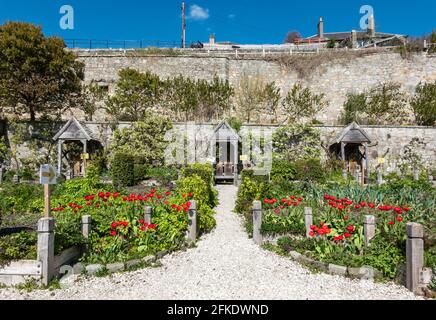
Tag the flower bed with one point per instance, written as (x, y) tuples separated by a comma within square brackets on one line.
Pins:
[(336, 235), (119, 230)]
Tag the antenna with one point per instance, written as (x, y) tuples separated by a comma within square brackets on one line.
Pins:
[(183, 25)]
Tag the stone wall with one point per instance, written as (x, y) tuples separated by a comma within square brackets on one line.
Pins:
[(334, 79)]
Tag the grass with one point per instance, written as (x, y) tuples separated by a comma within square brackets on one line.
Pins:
[(152, 51)]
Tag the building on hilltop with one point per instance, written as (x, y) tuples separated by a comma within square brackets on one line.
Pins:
[(353, 38)]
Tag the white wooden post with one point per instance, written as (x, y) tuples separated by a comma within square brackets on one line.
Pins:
[(414, 255), (86, 226), (369, 229), (257, 222), (59, 157), (147, 214), (308, 220), (192, 225), (46, 248)]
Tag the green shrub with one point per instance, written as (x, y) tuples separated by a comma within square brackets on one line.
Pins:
[(200, 190), (123, 166), (140, 168), (309, 170), (424, 104), (18, 246), (248, 192), (163, 175), (206, 173), (283, 170)]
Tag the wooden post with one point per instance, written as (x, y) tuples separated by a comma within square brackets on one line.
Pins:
[(367, 171), (414, 255), (257, 222), (147, 214), (1, 173), (236, 162), (308, 220), (369, 229), (85, 151), (86, 226), (379, 177), (192, 225), (47, 204), (46, 248), (415, 174), (344, 171), (59, 157)]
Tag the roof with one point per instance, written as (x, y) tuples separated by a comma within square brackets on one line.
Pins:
[(74, 130), (224, 132), (352, 134), (347, 34)]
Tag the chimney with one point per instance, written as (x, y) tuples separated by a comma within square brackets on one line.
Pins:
[(212, 39), (321, 28), (371, 26), (353, 39)]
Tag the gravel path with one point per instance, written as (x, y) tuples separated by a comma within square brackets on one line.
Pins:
[(225, 265)]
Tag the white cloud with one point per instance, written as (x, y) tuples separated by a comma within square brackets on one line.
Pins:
[(231, 16), (198, 13)]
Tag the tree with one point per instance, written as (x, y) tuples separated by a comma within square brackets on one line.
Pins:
[(213, 97), (180, 96), (145, 138), (136, 93), (36, 74), (249, 96), (386, 104), (271, 99), (353, 107), (91, 95), (382, 104), (292, 36), (302, 103), (296, 142), (424, 104)]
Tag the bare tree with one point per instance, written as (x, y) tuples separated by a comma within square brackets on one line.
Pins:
[(292, 36)]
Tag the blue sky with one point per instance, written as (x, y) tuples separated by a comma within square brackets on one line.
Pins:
[(240, 21)]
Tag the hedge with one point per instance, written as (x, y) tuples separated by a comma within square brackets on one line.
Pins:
[(123, 170)]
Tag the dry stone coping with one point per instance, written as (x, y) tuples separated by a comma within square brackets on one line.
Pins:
[(365, 272), (92, 269)]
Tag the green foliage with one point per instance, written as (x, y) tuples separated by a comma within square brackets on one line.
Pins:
[(36, 72), (253, 96), (309, 170), (18, 246), (353, 107), (19, 199), (331, 44), (248, 192), (235, 123), (290, 220), (92, 94), (206, 173), (123, 165), (163, 175), (302, 103), (385, 103), (424, 104), (145, 138), (135, 95), (384, 256), (296, 141), (200, 190)]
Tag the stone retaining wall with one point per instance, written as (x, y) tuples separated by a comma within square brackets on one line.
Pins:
[(335, 79)]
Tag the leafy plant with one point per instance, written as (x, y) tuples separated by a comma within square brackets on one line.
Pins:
[(302, 103), (424, 104), (123, 174)]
